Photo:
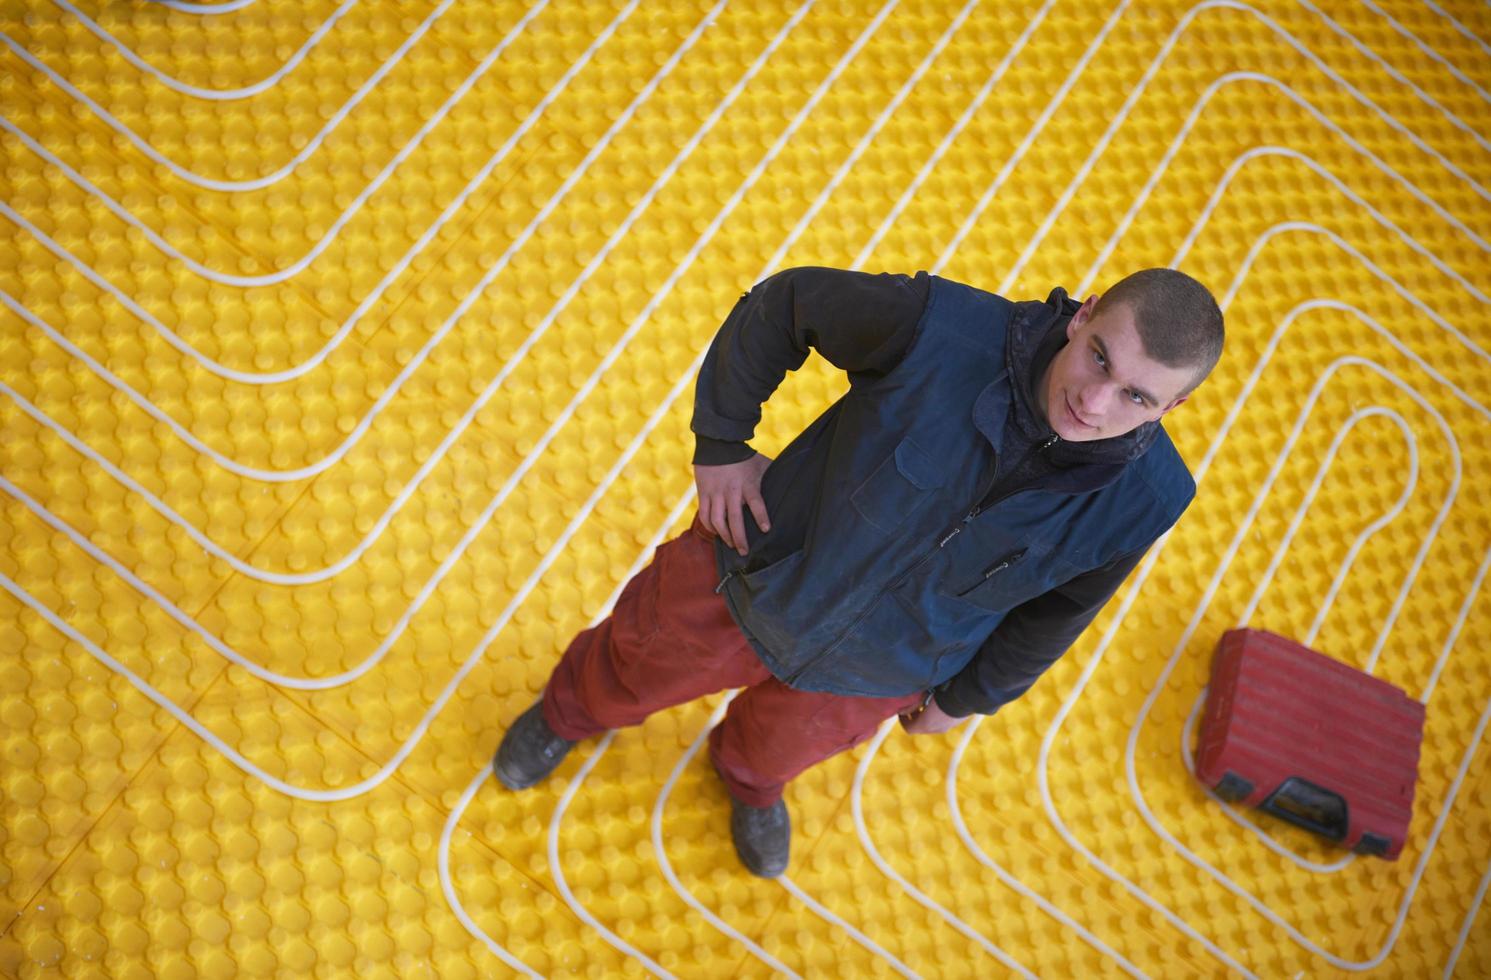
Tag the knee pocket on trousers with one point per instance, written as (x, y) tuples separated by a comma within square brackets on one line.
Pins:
[(676, 568), (829, 725), (636, 609)]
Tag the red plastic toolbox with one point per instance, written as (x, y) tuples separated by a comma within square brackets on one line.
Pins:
[(1311, 741)]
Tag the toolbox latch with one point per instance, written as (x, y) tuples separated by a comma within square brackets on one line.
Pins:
[(1307, 805)]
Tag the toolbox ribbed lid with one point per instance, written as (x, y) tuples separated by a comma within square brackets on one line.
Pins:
[(1340, 726)]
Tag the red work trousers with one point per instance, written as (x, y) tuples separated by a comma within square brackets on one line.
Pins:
[(671, 639)]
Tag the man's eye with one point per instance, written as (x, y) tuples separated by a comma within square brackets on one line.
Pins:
[(1097, 357), (1138, 398)]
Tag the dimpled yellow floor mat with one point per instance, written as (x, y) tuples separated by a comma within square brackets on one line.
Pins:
[(346, 364)]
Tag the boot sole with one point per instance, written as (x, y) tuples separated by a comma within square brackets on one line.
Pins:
[(514, 782), (755, 865)]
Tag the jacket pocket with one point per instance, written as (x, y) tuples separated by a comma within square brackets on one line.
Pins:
[(1008, 581), (891, 650), (898, 486), (767, 602), (762, 577)]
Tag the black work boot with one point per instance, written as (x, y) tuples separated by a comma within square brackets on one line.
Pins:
[(529, 751), (762, 835)]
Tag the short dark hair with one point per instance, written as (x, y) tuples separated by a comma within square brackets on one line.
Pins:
[(1178, 321)]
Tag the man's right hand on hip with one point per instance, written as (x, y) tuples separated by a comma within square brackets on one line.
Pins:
[(724, 491)]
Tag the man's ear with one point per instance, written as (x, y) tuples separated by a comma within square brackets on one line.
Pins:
[(1083, 314), (1175, 404)]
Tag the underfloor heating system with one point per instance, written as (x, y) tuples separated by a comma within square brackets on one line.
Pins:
[(346, 366)]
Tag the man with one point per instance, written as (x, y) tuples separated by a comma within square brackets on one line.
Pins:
[(934, 541)]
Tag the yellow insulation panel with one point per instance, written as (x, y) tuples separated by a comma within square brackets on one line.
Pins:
[(346, 361)]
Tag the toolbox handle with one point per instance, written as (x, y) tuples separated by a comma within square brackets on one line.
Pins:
[(1307, 805)]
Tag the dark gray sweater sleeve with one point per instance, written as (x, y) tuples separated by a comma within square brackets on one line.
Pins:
[(1030, 638), (860, 322)]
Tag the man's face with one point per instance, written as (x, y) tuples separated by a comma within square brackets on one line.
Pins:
[(1102, 384)]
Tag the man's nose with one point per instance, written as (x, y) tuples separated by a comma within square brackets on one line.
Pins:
[(1093, 401)]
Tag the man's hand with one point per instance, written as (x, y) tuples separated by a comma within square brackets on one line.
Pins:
[(723, 490), (929, 720)]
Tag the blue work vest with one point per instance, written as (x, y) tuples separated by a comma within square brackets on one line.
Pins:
[(880, 576)]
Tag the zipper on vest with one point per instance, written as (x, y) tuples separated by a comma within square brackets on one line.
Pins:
[(985, 502), (797, 674), (1002, 564)]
